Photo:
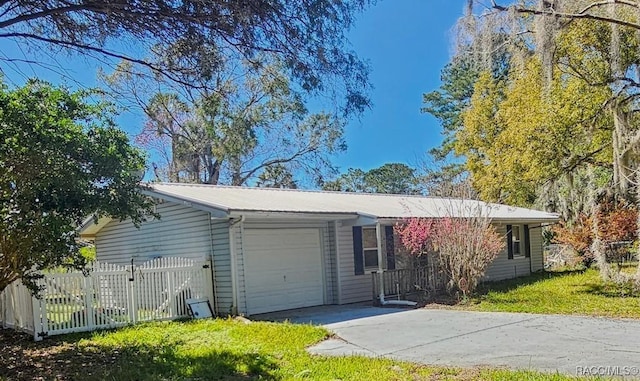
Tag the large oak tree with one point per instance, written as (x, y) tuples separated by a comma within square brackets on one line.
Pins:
[(562, 129), (250, 124), (565, 113)]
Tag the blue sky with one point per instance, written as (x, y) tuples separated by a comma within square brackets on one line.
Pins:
[(406, 42)]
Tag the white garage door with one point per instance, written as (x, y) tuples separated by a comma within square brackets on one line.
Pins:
[(283, 269)]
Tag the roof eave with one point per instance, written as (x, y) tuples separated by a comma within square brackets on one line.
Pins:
[(527, 220), (320, 215), (501, 220), (90, 227), (216, 211)]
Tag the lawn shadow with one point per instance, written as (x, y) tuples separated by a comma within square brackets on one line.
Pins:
[(511, 284), (610, 290), (61, 358)]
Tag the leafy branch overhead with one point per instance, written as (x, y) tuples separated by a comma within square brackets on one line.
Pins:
[(174, 39)]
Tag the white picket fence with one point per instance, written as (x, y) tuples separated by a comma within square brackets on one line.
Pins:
[(106, 296)]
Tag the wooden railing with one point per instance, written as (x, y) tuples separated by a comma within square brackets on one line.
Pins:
[(409, 284)]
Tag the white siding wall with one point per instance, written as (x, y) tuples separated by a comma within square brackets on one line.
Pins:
[(236, 236), (180, 232), (330, 259), (222, 266), (328, 253), (503, 267), (355, 288), (187, 232), (537, 259)]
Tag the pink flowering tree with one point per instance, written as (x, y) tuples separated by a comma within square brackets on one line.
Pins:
[(463, 246), (415, 234)]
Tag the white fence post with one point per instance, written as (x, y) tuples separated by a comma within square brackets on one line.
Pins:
[(5, 307), (39, 318), (133, 301), (207, 283), (88, 301)]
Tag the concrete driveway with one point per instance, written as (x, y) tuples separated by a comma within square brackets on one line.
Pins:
[(572, 345)]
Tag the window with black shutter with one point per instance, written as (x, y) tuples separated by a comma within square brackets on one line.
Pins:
[(365, 249)]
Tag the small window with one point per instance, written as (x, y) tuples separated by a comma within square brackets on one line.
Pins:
[(370, 248), (515, 236), (369, 239), (371, 258)]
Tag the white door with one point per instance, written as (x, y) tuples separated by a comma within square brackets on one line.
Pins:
[(283, 269)]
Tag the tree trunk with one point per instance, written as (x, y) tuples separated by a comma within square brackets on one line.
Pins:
[(546, 26), (597, 247), (637, 275), (8, 275), (213, 170), (621, 152), (173, 174)]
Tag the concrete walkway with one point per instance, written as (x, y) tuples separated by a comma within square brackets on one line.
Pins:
[(553, 343)]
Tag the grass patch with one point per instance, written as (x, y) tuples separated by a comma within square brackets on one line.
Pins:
[(569, 292), (212, 350)]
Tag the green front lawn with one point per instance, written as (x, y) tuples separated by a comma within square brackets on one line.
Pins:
[(212, 350), (575, 293)]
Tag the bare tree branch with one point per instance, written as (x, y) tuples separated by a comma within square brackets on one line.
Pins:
[(105, 52), (249, 174), (42, 14), (574, 16)]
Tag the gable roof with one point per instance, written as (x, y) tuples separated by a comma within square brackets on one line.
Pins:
[(239, 200), (361, 208)]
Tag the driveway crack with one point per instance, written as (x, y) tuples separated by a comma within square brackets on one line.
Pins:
[(460, 335), (338, 338)]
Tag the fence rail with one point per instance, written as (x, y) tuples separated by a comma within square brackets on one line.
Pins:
[(105, 296), (407, 284)]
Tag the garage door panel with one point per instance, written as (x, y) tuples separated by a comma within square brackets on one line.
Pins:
[(283, 269)]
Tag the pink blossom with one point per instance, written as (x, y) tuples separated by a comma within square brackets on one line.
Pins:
[(464, 246)]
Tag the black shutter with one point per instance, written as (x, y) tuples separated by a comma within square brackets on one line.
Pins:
[(527, 242), (358, 254), (509, 242), (391, 255)]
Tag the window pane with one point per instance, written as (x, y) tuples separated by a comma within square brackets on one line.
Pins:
[(371, 258), (369, 238), (516, 239), (516, 232)]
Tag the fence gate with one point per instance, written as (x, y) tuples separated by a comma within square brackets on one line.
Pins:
[(106, 296)]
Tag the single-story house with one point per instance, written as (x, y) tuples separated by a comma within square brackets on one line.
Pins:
[(276, 249)]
